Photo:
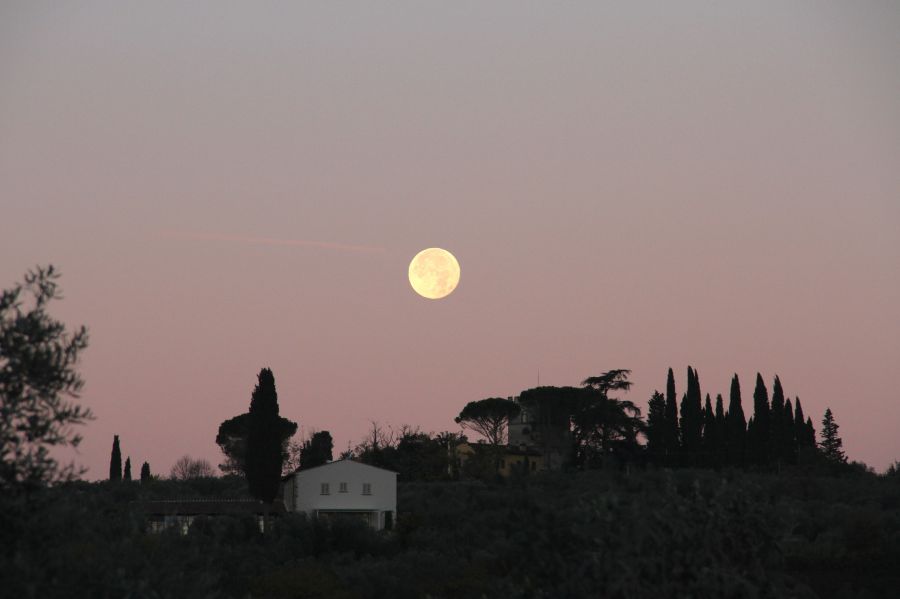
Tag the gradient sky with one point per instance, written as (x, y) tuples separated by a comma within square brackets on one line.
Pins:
[(227, 186)]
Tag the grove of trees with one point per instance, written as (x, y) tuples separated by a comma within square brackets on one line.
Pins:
[(776, 435)]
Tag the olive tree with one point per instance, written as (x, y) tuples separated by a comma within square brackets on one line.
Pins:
[(38, 385)]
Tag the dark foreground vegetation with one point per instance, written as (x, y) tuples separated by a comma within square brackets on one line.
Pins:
[(654, 533)]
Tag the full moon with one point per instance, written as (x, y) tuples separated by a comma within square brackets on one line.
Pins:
[(434, 273)]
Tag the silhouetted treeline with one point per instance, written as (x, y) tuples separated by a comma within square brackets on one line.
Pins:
[(588, 428), (415, 455), (777, 434)]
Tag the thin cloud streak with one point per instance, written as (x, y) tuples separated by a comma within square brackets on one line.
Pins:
[(271, 241)]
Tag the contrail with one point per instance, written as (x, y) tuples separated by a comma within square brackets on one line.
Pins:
[(272, 241)]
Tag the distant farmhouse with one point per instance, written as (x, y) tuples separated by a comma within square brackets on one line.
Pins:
[(344, 489)]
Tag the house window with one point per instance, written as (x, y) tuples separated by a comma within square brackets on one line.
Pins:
[(325, 490), (342, 488), (367, 488)]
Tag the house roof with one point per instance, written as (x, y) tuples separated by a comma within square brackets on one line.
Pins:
[(287, 476), (197, 507)]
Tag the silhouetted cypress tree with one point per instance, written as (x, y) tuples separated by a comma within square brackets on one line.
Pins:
[(790, 440), (736, 426), (810, 433), (692, 419), (800, 431), (673, 434), (719, 457), (759, 433), (115, 461), (145, 473), (127, 474), (777, 432), (264, 453), (656, 427), (709, 433), (832, 445)]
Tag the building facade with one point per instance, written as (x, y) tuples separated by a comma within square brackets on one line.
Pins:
[(344, 489), (181, 513), (531, 434)]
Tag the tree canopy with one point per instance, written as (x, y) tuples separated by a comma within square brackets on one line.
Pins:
[(266, 440), (832, 445), (187, 468), (489, 418), (38, 383), (317, 450), (233, 433), (602, 424)]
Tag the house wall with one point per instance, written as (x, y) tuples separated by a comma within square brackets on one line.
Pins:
[(524, 464), (287, 493), (552, 439), (306, 494), (520, 429)]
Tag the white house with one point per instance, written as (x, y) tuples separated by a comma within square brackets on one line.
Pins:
[(344, 489)]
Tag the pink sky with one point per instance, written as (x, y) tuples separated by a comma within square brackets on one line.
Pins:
[(624, 187)]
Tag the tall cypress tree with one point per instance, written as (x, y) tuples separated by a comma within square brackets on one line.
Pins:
[(264, 452), (692, 419), (719, 457), (832, 445), (709, 433), (127, 474), (656, 427), (777, 445), (790, 440), (145, 473), (800, 432), (736, 426), (760, 432), (115, 461), (673, 434), (810, 433)]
